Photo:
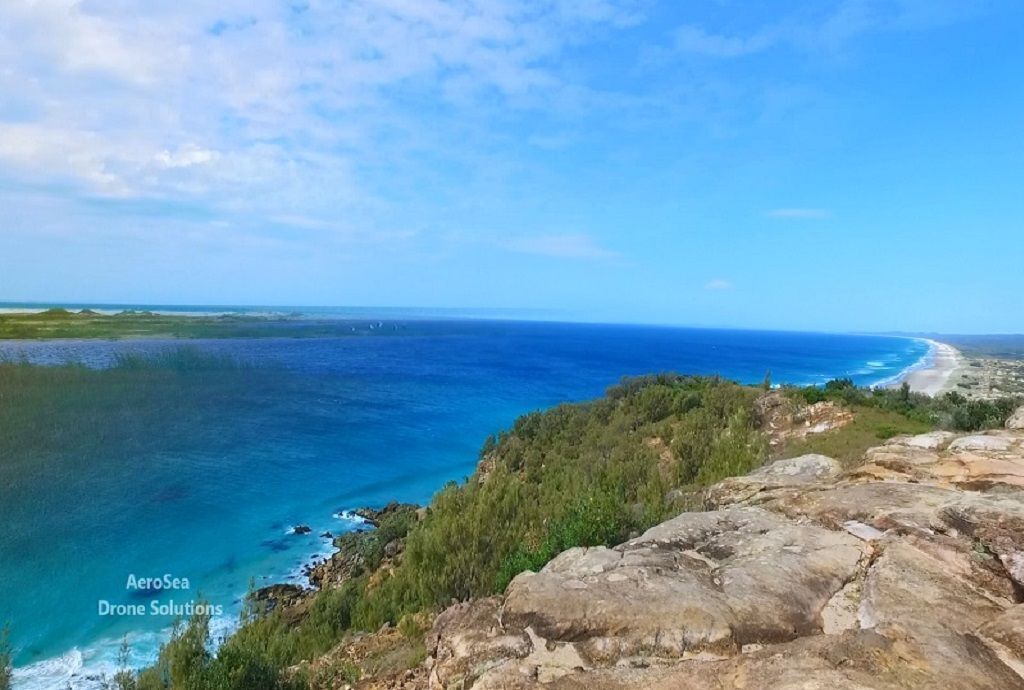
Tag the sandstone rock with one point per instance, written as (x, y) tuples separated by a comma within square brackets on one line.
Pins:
[(1016, 420), (855, 660), (980, 442), (712, 582), (1005, 636), (902, 507), (802, 470), (394, 547), (934, 440), (904, 573), (784, 419), (470, 639), (373, 516), (977, 461)]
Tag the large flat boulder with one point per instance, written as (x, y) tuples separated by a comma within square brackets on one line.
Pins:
[(791, 472), (704, 582), (975, 461)]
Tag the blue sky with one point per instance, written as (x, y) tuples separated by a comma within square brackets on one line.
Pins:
[(836, 164)]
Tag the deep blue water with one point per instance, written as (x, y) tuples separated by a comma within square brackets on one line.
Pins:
[(321, 425)]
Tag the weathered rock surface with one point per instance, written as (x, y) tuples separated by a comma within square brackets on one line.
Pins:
[(800, 471), (907, 572), (703, 582), (292, 600), (785, 419), (970, 462), (1016, 420)]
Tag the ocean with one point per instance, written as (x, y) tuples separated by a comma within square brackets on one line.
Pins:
[(202, 475)]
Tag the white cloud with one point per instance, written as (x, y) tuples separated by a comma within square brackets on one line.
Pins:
[(718, 284), (186, 157), (801, 213), (266, 106), (569, 246), (693, 39)]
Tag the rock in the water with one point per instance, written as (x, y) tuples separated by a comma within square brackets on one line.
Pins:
[(301, 529)]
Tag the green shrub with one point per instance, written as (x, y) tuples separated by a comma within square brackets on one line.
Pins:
[(576, 475), (124, 678), (950, 411), (183, 661), (886, 432), (6, 657), (594, 521)]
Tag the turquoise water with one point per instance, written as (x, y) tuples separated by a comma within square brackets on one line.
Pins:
[(206, 482)]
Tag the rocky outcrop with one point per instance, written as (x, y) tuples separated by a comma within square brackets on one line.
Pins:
[(976, 461), (374, 516), (784, 419), (1016, 420), (792, 472), (906, 572), (292, 600), (364, 551)]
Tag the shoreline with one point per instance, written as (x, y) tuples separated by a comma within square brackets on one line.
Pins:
[(80, 664), (935, 378)]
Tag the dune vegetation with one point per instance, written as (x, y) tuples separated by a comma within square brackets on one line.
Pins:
[(63, 323)]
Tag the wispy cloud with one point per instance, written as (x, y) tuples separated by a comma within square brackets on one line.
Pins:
[(694, 39), (570, 246), (264, 106), (718, 284), (830, 26), (801, 213)]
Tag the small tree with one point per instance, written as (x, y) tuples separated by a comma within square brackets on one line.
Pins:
[(6, 657), (905, 392), (124, 679)]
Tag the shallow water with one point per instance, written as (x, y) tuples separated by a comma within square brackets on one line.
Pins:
[(203, 475)]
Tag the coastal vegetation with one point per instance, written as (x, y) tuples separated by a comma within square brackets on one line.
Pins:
[(594, 473), (58, 323), (6, 655), (577, 475), (952, 410), (882, 413), (64, 323)]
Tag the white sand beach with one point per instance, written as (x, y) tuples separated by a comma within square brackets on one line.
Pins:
[(936, 378)]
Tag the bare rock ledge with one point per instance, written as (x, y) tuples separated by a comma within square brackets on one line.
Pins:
[(907, 572)]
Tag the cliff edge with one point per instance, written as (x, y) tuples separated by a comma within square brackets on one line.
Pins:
[(905, 572)]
